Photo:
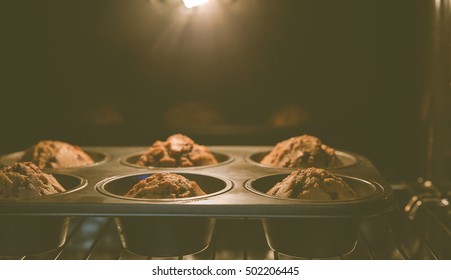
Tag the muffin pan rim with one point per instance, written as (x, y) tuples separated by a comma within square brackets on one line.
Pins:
[(379, 191), (125, 161), (100, 187)]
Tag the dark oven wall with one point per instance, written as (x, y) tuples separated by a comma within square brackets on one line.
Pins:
[(230, 72)]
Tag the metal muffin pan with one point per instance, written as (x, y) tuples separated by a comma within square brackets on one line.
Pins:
[(235, 188), (236, 201)]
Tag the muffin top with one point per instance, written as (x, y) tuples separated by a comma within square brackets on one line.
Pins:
[(25, 179), (177, 151), (302, 151), (56, 154), (313, 183), (165, 185)]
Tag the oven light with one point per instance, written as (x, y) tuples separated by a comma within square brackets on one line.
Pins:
[(194, 3)]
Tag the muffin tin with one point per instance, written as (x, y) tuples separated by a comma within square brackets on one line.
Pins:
[(235, 188)]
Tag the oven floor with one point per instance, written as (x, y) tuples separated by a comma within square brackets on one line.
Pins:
[(392, 236)]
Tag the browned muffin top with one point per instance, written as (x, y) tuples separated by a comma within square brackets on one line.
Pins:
[(56, 154), (24, 179), (313, 183), (165, 185), (302, 151), (177, 151)]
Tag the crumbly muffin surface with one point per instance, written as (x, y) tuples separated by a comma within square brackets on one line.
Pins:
[(165, 185), (25, 179), (56, 154), (177, 151), (313, 183), (302, 151)]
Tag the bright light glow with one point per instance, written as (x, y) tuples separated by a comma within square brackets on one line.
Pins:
[(194, 3)]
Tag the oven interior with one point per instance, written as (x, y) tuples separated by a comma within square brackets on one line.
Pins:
[(371, 78)]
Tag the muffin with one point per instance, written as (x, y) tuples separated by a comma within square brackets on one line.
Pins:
[(56, 154), (24, 179), (177, 151), (165, 185), (313, 183), (302, 151)]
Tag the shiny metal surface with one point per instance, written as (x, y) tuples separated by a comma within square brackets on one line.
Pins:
[(235, 202)]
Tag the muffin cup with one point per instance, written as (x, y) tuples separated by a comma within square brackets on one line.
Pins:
[(164, 236), (132, 159), (97, 157), (29, 235), (344, 159), (323, 229), (312, 237)]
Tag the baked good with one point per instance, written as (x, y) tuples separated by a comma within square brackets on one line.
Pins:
[(313, 183), (25, 179), (56, 154), (302, 151), (177, 151), (165, 185)]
